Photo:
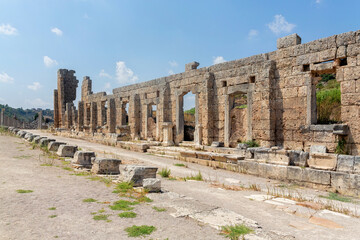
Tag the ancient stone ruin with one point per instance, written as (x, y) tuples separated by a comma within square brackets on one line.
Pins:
[(271, 99)]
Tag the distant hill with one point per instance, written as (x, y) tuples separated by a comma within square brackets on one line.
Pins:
[(26, 115)]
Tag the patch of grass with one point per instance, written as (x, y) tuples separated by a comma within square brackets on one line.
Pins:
[(252, 143), (255, 187), (341, 147), (52, 208), (68, 168), (180, 165), (197, 177), (46, 165), (107, 181), (137, 231), (123, 205), (81, 174), (101, 210), (165, 172), (99, 217), (336, 197), (123, 187), (144, 199), (52, 216), (127, 215), (159, 209), (235, 231), (24, 191), (89, 200)]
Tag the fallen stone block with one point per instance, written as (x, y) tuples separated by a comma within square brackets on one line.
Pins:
[(261, 154), (152, 184), (345, 163), (218, 157), (217, 144), (324, 161), (31, 138), (357, 165), (21, 134), (298, 158), (66, 151), (250, 152), (106, 166), (15, 131), (278, 157), (83, 158), (44, 142), (37, 139), (54, 146), (317, 149), (136, 174), (28, 135)]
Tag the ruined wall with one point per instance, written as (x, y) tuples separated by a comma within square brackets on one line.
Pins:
[(280, 90)]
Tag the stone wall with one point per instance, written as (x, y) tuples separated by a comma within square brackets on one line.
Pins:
[(279, 88)]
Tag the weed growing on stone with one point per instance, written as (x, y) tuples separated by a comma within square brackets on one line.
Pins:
[(197, 177), (180, 165), (81, 174), (24, 191), (89, 200), (235, 231), (68, 168), (99, 217), (123, 205), (123, 187), (165, 172), (159, 209), (255, 187), (46, 165), (52, 216), (137, 231), (336, 197), (52, 208), (144, 199), (127, 215)]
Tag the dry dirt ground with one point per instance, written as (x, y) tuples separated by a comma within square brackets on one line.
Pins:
[(195, 210)]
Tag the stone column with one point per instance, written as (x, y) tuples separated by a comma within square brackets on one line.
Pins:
[(146, 117), (111, 117), (68, 114), (80, 118), (100, 118), (93, 116), (56, 109), (227, 122), (40, 120), (168, 134), (179, 119), (2, 117), (198, 127)]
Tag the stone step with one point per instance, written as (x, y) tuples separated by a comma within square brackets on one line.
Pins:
[(187, 144)]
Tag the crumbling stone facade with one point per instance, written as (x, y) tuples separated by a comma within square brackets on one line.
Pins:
[(280, 99)]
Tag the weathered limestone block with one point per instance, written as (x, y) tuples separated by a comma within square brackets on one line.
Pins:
[(261, 154), (288, 41), (21, 134), (83, 158), (325, 161), (152, 184), (345, 163), (37, 139), (308, 175), (45, 142), (279, 157), (54, 146), (203, 155), (136, 174), (188, 154), (218, 157), (357, 165), (242, 146), (167, 134), (217, 144), (232, 158), (346, 183), (272, 171), (317, 149), (31, 138), (248, 167), (28, 135), (15, 131), (298, 158), (250, 152), (341, 129), (105, 166), (66, 151)]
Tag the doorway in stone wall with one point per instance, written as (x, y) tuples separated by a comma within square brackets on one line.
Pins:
[(151, 121), (238, 106), (189, 116), (125, 114)]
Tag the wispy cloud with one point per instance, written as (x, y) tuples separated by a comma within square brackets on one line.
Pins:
[(318, 1), (253, 33), (173, 63), (280, 25), (125, 75), (49, 62), (57, 31), (5, 78), (7, 29), (171, 72), (35, 86), (107, 85), (104, 74), (219, 59)]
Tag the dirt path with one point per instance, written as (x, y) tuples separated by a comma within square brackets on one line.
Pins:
[(212, 203)]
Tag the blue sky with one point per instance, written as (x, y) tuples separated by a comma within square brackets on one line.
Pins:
[(122, 42)]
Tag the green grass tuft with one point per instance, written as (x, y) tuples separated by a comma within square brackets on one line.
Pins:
[(53, 216), (165, 172), (89, 200), (123, 205), (159, 209), (235, 231), (127, 215), (101, 217), (24, 191), (137, 231), (197, 177), (179, 165), (52, 208), (336, 197)]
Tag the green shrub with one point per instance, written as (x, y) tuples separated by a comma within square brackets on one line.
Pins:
[(252, 143), (165, 172), (341, 147), (137, 231), (190, 111), (235, 231)]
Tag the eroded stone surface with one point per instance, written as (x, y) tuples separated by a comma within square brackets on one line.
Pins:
[(83, 158), (106, 166), (66, 150), (136, 174)]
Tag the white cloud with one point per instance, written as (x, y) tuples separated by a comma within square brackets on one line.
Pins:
[(280, 25), (57, 31), (49, 62), (318, 1), (171, 72), (104, 74), (218, 59), (35, 86), (125, 75), (107, 85), (173, 63), (37, 103), (253, 33), (7, 29), (5, 78)]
